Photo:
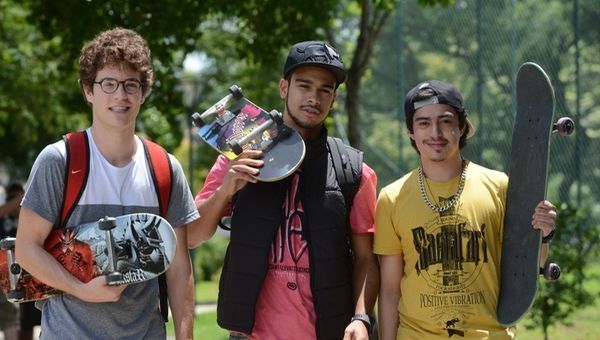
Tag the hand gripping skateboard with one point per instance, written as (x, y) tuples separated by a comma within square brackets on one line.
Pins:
[(235, 124), (526, 188), (126, 249)]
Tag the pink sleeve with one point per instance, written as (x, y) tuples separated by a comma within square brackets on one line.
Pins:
[(213, 181), (362, 215)]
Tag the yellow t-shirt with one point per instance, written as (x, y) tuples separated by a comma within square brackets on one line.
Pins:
[(450, 283)]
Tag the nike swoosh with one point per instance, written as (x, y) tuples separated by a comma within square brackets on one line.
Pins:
[(73, 172)]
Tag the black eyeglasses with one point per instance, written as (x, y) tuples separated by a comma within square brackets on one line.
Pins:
[(110, 85)]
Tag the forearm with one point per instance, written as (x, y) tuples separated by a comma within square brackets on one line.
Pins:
[(544, 253), (211, 211), (365, 284), (180, 287), (388, 313), (392, 271)]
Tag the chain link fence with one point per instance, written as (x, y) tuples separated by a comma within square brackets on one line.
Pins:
[(479, 46)]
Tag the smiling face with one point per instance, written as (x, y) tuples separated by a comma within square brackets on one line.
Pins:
[(117, 110), (436, 133), (309, 95)]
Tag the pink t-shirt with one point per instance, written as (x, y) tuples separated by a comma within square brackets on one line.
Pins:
[(284, 309)]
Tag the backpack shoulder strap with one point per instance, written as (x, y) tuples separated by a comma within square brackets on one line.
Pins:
[(347, 164), (162, 173), (162, 176), (77, 170)]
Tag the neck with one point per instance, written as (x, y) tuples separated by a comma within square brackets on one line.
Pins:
[(442, 171), (118, 148)]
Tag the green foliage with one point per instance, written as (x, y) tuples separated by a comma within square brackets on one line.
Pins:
[(574, 248), (40, 42), (30, 82), (208, 258)]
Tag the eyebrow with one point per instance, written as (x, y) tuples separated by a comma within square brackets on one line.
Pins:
[(307, 81), (445, 114)]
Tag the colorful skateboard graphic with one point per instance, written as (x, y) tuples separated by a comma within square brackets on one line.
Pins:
[(234, 124), (126, 249)]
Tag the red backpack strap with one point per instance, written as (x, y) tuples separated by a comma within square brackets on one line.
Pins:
[(162, 173), (162, 176), (77, 170)]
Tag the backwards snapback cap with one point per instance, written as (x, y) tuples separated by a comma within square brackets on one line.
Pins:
[(443, 93)]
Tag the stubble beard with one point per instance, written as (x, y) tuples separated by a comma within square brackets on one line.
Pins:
[(299, 122)]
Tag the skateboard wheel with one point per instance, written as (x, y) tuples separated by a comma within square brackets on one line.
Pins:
[(197, 120), (236, 91), (236, 147), (551, 272), (276, 116), (7, 243), (15, 269), (15, 295), (114, 278), (107, 223), (564, 126)]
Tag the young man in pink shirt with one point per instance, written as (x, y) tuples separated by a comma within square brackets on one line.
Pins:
[(300, 263)]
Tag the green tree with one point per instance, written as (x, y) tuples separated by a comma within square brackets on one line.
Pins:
[(574, 247)]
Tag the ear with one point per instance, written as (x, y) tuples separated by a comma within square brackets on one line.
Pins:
[(283, 88), (88, 92), (463, 129), (333, 101), (410, 134)]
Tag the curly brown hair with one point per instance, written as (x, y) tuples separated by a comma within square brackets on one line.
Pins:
[(116, 47)]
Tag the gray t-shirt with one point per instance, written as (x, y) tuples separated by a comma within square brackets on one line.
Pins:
[(110, 191)]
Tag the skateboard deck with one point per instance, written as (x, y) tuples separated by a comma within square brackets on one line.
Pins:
[(526, 188), (127, 249), (234, 124)]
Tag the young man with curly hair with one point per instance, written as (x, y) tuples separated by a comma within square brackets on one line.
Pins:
[(115, 77)]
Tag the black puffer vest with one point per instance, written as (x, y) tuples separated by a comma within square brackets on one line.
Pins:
[(256, 218)]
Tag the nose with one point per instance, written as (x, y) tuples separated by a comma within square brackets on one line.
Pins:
[(313, 97), (120, 92), (436, 129)]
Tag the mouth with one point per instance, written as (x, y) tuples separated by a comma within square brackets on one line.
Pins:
[(437, 144), (311, 110), (119, 109)]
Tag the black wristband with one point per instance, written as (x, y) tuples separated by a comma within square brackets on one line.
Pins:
[(548, 237), (364, 318)]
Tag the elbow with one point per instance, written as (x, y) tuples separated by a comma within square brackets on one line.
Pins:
[(198, 234)]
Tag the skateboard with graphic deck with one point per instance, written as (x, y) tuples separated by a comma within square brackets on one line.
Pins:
[(235, 124), (528, 173), (126, 249)]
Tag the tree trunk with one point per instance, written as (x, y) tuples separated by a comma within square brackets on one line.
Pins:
[(372, 20)]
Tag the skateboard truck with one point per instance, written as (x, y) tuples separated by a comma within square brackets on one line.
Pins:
[(14, 269), (237, 146), (113, 277), (564, 126), (235, 92), (550, 271)]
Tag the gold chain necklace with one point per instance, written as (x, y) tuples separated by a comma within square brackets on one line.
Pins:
[(455, 197)]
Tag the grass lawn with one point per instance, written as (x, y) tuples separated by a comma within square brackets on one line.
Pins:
[(207, 291)]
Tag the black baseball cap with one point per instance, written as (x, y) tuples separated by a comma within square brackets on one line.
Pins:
[(315, 53), (443, 93)]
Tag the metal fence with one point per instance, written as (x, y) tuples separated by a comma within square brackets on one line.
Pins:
[(479, 46)]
